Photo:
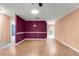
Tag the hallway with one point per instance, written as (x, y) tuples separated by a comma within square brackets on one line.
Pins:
[(49, 47)]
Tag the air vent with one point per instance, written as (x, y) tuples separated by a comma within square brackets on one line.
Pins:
[(37, 18)]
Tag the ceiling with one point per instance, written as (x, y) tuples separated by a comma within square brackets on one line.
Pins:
[(49, 11)]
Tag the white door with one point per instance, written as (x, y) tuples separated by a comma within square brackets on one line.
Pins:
[(51, 32)]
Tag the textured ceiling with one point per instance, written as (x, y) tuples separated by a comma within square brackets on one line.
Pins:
[(48, 11)]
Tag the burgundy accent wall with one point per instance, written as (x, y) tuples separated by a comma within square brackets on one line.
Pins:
[(36, 35), (20, 24), (19, 37), (28, 26), (20, 27), (41, 26)]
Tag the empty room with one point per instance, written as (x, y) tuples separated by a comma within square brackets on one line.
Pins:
[(39, 29)]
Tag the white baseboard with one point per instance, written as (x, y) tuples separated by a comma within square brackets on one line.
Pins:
[(19, 42), (6, 46), (28, 39), (69, 46), (11, 44)]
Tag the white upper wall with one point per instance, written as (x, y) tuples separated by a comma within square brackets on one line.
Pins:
[(51, 22)]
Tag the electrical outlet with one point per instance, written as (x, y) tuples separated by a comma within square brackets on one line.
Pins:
[(20, 38)]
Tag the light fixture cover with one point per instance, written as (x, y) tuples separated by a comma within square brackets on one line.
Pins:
[(34, 25), (34, 11)]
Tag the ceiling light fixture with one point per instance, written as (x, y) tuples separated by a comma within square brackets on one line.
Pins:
[(34, 11)]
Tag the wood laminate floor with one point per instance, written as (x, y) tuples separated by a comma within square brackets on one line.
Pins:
[(48, 47)]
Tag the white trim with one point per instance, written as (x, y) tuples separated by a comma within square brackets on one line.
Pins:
[(6, 46), (67, 13), (19, 42), (29, 32), (28, 39), (69, 46)]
